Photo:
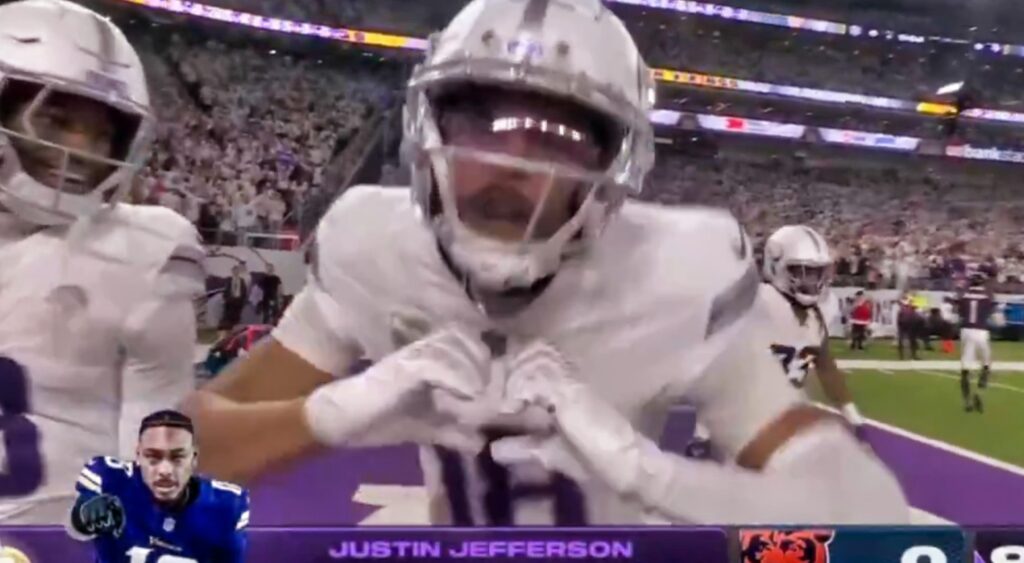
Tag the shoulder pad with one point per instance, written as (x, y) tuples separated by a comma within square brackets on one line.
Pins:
[(158, 241), (725, 256), (101, 474), (354, 223), (233, 500), (734, 301)]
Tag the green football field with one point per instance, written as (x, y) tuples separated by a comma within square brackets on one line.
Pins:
[(886, 350), (927, 401)]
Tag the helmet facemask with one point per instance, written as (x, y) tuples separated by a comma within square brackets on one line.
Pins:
[(806, 282), (64, 153), (519, 181)]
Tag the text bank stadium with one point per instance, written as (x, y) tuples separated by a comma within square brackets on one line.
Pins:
[(521, 280)]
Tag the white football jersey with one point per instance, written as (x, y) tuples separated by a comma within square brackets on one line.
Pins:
[(794, 343), (645, 317), (91, 341)]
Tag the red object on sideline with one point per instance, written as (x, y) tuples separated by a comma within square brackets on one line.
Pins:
[(861, 314)]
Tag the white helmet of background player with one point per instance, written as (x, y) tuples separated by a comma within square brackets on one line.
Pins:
[(525, 129), (75, 120), (798, 263)]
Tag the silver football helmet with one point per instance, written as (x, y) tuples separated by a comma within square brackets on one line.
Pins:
[(797, 261), (561, 81), (75, 119)]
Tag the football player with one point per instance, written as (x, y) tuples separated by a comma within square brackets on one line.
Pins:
[(156, 508), (790, 307), (526, 129), (975, 305), (96, 296), (797, 269)]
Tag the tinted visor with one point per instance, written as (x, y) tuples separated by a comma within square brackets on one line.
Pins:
[(520, 164)]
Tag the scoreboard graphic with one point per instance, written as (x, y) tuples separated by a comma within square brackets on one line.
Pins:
[(640, 545), (999, 546), (852, 545)]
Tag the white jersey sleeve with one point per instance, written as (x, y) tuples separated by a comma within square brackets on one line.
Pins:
[(742, 392), (739, 387), (714, 283), (159, 333), (305, 330), (326, 320)]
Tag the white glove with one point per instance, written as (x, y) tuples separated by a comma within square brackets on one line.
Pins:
[(412, 395), (823, 462), (852, 415), (592, 438)]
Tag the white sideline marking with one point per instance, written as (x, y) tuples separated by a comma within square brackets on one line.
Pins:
[(952, 365), (973, 456), (1003, 386)]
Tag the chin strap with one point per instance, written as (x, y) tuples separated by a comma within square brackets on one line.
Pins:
[(495, 303)]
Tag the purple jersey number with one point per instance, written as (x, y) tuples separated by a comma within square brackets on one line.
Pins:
[(20, 437), (500, 493)]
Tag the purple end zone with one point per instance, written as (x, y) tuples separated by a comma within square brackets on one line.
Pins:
[(957, 488), (952, 486), (318, 492)]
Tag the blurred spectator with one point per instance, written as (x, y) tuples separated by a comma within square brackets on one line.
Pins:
[(860, 320), (236, 294), (269, 305)]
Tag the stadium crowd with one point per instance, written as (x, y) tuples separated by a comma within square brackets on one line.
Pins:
[(246, 134), (886, 226)]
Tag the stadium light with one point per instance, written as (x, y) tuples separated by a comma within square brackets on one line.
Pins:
[(949, 89)]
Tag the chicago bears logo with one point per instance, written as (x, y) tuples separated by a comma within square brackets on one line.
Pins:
[(780, 546)]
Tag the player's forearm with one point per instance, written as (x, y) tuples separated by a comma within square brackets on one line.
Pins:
[(822, 476), (833, 383), (240, 442), (270, 371)]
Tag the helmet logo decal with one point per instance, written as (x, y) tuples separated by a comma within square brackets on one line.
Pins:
[(103, 79), (524, 48), (106, 83)]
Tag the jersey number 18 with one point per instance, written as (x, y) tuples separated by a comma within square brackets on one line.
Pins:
[(147, 555), (501, 494)]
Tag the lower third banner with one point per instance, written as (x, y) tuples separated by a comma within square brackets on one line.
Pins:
[(316, 545)]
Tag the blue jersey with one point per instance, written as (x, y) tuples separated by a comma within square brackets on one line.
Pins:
[(209, 529)]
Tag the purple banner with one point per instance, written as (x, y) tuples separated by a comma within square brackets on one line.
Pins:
[(321, 545), (999, 546)]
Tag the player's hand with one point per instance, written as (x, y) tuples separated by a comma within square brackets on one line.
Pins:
[(591, 439), (102, 515), (412, 395)]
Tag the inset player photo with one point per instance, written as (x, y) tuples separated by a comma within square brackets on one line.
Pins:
[(157, 505)]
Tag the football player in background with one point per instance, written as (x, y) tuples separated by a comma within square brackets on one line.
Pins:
[(797, 269), (157, 506), (96, 296), (975, 305), (521, 258), (791, 306)]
